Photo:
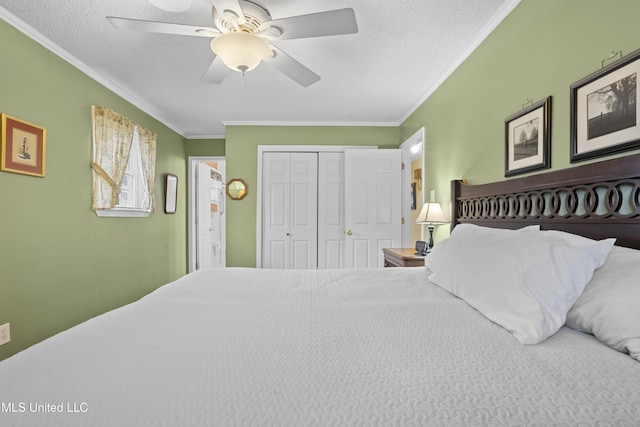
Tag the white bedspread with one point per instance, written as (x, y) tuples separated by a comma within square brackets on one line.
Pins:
[(302, 348)]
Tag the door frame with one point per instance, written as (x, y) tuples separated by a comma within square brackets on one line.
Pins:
[(288, 148), (407, 158), (191, 197)]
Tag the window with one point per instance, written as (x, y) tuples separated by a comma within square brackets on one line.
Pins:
[(123, 166), (133, 199), (133, 193)]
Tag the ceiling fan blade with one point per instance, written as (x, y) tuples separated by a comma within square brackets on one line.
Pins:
[(330, 23), (292, 68), (161, 27), (172, 5), (230, 5), (216, 72)]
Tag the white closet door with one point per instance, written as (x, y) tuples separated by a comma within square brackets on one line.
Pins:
[(331, 210), (290, 202), (303, 231), (276, 197), (373, 206)]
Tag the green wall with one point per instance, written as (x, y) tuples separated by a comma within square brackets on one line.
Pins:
[(205, 147), (242, 162), (540, 49), (59, 263)]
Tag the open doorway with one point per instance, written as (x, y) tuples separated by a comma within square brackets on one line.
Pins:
[(207, 218), (412, 187)]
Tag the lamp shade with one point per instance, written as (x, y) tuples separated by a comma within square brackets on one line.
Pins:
[(431, 213), (172, 5), (241, 51)]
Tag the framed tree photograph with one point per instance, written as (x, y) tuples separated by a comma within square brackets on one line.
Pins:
[(604, 113), (528, 139), (23, 146)]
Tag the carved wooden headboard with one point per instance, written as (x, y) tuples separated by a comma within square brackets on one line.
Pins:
[(596, 200)]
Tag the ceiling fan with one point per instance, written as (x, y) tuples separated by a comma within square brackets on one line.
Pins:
[(243, 35)]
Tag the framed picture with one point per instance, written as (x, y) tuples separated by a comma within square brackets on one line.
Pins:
[(170, 193), (528, 139), (604, 113), (23, 147)]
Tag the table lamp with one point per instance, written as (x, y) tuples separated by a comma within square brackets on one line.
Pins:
[(432, 215)]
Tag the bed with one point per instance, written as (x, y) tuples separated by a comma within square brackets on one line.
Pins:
[(240, 346)]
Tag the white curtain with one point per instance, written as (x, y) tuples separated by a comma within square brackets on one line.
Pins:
[(147, 141)]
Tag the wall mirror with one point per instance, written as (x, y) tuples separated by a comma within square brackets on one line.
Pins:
[(170, 193), (236, 189)]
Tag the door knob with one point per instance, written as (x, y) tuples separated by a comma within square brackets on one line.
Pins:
[(349, 232)]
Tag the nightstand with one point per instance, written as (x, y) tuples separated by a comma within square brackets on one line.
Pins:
[(402, 257)]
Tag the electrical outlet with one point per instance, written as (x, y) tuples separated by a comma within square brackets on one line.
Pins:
[(5, 334)]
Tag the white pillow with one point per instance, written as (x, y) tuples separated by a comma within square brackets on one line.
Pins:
[(609, 307), (525, 282), (434, 258)]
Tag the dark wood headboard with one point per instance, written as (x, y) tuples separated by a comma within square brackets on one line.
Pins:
[(596, 200)]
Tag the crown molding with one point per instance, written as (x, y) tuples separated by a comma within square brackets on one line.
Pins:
[(196, 136), (48, 44), (309, 123), (32, 33), (487, 29)]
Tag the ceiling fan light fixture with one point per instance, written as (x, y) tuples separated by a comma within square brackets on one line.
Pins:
[(172, 5), (241, 51)]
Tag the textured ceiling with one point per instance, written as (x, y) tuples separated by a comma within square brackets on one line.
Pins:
[(402, 51)]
